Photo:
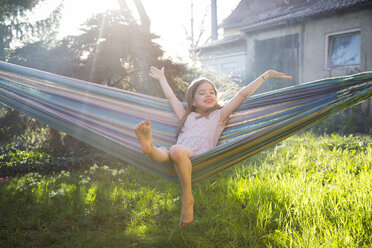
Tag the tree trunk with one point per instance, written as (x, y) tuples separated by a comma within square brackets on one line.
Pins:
[(145, 20)]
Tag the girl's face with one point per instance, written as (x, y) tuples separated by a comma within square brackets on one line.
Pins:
[(205, 98)]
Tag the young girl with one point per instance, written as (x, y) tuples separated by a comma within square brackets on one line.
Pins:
[(202, 123)]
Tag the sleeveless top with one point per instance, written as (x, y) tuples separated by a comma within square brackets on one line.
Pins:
[(201, 134)]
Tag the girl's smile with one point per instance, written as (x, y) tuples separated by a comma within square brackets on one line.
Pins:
[(205, 98)]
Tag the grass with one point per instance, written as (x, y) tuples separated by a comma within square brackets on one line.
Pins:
[(308, 191)]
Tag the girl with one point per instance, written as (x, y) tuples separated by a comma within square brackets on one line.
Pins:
[(202, 123)]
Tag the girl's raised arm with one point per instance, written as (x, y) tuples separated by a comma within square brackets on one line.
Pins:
[(176, 104), (248, 90)]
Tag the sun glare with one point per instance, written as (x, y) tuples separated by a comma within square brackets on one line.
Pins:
[(169, 19), (76, 12)]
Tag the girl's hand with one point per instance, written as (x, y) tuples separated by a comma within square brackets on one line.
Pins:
[(273, 73), (156, 73)]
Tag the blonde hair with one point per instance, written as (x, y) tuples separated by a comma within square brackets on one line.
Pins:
[(190, 96)]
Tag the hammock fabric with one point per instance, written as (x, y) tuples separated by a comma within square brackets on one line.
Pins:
[(105, 117)]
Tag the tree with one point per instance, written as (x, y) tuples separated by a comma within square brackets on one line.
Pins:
[(196, 40), (15, 26), (113, 50), (11, 9)]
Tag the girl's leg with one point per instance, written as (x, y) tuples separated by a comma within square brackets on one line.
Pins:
[(181, 160), (156, 154)]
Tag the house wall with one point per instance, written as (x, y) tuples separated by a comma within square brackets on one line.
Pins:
[(314, 63), (312, 52), (233, 63), (251, 39), (226, 57), (231, 31), (315, 44)]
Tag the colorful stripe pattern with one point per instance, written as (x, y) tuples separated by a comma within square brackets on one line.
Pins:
[(105, 117)]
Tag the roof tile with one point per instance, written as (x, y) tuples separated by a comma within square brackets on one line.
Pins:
[(258, 14)]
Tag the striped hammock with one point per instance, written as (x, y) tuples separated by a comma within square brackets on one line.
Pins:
[(105, 117)]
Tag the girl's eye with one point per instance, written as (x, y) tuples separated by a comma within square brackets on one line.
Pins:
[(204, 92)]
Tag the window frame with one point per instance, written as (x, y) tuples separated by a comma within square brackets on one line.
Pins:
[(327, 48)]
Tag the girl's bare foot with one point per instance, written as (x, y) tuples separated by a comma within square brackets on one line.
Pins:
[(187, 214), (143, 132)]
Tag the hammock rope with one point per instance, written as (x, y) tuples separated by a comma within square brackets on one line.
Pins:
[(105, 117)]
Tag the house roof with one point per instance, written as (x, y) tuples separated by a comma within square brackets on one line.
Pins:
[(257, 14), (232, 39)]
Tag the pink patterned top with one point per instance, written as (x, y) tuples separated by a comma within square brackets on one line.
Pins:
[(200, 135)]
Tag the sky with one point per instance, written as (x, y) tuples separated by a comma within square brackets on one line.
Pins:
[(170, 19)]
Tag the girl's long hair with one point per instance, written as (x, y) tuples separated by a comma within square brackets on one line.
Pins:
[(190, 95)]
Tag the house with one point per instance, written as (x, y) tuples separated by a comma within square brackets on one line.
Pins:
[(308, 39)]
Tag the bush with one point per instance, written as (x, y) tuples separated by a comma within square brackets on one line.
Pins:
[(12, 123), (347, 122)]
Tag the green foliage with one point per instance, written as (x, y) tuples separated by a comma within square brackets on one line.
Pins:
[(10, 8), (36, 150), (309, 191), (347, 122), (110, 51), (115, 52), (14, 124), (17, 159), (15, 28), (11, 124), (11, 155)]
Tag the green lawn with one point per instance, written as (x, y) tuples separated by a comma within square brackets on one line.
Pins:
[(309, 191)]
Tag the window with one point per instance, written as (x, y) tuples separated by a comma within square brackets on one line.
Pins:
[(344, 49)]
